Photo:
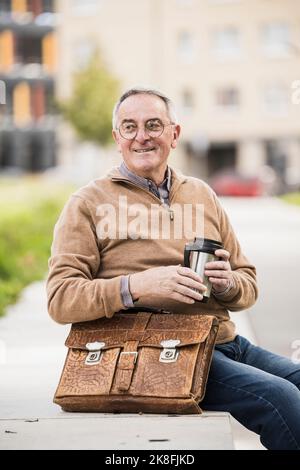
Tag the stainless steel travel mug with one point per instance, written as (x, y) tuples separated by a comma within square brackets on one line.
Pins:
[(197, 254)]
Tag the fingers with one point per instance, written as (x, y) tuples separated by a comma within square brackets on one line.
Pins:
[(188, 286), (190, 293), (224, 254), (219, 265), (190, 279), (191, 283), (176, 282), (188, 272), (216, 281), (223, 264), (217, 273), (182, 298)]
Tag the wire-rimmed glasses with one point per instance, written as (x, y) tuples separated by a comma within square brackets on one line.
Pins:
[(153, 128)]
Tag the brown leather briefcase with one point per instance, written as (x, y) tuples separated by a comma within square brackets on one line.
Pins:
[(142, 362)]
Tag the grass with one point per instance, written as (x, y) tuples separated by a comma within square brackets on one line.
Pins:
[(292, 198), (28, 211)]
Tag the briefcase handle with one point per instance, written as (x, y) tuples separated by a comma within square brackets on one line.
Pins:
[(144, 309)]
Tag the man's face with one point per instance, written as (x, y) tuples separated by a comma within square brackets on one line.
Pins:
[(145, 155)]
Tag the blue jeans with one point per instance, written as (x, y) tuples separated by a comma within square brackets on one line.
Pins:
[(259, 389)]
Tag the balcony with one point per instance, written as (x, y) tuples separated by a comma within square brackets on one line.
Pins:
[(27, 24), (29, 72)]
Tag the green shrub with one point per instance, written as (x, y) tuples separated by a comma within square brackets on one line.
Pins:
[(292, 198), (28, 212)]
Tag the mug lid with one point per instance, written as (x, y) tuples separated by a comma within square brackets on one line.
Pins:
[(207, 244)]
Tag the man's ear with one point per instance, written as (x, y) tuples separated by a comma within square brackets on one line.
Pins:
[(176, 134), (114, 134), (116, 138)]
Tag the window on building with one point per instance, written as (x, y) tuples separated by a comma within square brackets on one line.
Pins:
[(37, 7), (276, 40), (6, 98), (184, 3), (83, 51), (50, 106), (2, 93), (28, 49), (5, 6), (188, 101), (48, 6), (227, 43), (86, 7), (276, 99), (227, 99), (224, 1), (186, 47)]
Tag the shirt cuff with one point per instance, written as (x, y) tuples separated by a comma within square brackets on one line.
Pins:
[(225, 291), (125, 292)]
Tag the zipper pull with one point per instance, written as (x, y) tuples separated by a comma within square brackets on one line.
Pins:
[(171, 214)]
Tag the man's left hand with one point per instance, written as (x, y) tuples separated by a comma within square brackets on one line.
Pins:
[(219, 272)]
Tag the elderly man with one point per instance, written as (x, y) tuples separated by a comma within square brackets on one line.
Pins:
[(104, 261)]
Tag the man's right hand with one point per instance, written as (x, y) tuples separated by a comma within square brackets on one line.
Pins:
[(172, 282)]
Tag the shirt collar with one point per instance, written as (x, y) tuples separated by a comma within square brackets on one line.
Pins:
[(144, 182)]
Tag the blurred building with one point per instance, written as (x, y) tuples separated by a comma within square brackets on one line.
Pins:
[(230, 65), (27, 71)]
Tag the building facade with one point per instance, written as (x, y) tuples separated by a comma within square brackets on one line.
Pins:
[(27, 77), (232, 66)]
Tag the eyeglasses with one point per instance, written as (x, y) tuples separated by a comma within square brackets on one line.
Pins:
[(153, 128)]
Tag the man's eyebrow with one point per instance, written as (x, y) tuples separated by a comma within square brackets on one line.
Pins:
[(127, 120), (149, 119)]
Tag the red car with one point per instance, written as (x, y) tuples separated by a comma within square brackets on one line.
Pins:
[(231, 183)]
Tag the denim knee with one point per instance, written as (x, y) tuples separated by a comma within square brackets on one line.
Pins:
[(280, 392)]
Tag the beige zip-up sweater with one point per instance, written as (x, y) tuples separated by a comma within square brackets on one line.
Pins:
[(85, 268)]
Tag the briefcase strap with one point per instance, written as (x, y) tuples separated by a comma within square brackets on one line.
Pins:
[(141, 321), (128, 356)]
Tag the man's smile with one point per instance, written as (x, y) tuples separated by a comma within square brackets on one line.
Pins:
[(150, 149)]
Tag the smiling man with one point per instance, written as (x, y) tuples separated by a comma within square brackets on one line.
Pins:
[(145, 133), (94, 275)]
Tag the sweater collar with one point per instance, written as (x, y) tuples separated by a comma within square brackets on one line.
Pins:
[(145, 182), (176, 178)]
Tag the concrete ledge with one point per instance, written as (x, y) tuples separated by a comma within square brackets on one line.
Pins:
[(30, 371), (117, 432)]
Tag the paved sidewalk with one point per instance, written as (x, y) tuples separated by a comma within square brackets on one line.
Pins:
[(32, 354), (269, 232)]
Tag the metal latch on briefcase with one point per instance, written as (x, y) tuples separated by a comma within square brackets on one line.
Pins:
[(94, 354), (169, 353)]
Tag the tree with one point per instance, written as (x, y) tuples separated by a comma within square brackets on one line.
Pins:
[(89, 110)]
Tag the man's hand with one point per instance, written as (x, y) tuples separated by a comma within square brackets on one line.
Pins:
[(219, 272), (172, 282)]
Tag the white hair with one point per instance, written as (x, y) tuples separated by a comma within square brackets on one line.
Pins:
[(145, 91)]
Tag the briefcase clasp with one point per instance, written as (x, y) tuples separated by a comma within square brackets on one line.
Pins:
[(169, 353), (94, 355)]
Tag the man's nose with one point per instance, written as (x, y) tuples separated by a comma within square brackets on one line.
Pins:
[(141, 135)]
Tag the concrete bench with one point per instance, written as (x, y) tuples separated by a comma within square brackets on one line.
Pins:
[(30, 367), (118, 432)]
